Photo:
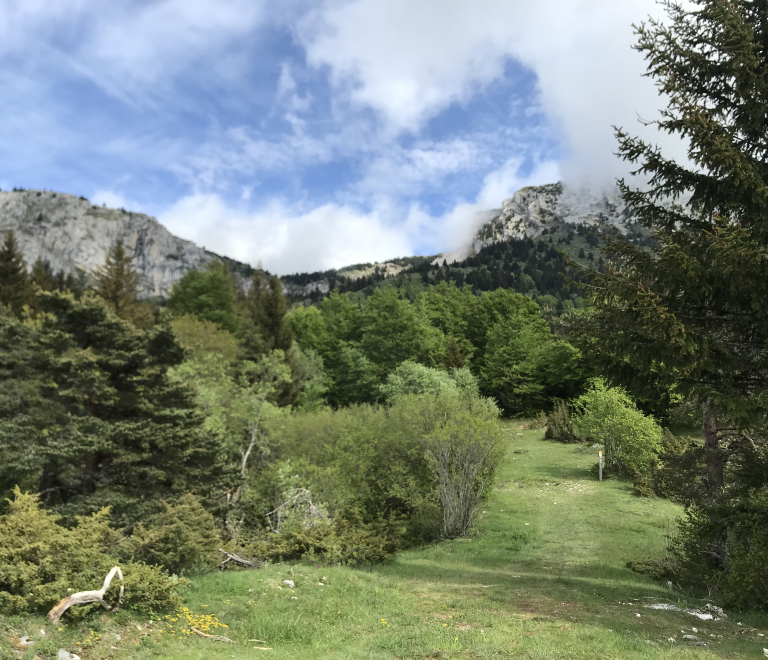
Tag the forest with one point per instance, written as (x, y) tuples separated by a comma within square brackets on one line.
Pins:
[(230, 421)]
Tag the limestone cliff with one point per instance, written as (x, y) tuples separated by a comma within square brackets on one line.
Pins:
[(73, 234), (533, 209)]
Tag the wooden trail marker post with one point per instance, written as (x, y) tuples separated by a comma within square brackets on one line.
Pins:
[(600, 460)]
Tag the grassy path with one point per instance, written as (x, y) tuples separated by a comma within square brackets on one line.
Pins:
[(544, 578)]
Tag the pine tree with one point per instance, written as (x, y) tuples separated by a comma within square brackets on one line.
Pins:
[(15, 286), (266, 309), (691, 314), (117, 282), (89, 417), (43, 275)]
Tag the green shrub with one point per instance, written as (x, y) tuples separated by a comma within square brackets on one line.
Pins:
[(360, 459), (464, 452), (182, 538), (41, 562), (630, 438), (410, 462), (677, 471), (345, 541), (412, 378), (559, 425)]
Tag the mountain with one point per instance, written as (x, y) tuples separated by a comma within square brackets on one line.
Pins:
[(533, 210), (523, 244), (72, 234)]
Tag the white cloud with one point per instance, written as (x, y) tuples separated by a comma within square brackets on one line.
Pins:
[(459, 225), (410, 60), (133, 51), (288, 239), (407, 171), (285, 239), (115, 200)]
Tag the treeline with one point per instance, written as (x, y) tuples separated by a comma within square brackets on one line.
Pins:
[(500, 336)]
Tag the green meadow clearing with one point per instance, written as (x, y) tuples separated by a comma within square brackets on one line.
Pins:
[(543, 578)]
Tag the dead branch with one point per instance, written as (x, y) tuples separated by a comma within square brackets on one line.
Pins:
[(84, 597), (232, 557), (218, 638)]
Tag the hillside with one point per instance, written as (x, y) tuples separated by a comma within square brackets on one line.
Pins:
[(523, 245)]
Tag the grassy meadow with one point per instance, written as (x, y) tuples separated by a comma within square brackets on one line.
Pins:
[(543, 578)]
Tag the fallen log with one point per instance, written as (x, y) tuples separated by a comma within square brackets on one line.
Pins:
[(232, 557), (218, 638), (85, 597)]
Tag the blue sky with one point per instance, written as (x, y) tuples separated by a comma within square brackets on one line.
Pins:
[(310, 135)]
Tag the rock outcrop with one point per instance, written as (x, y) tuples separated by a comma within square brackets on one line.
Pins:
[(533, 209), (71, 234)]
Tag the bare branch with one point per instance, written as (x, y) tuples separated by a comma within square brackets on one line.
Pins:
[(85, 597)]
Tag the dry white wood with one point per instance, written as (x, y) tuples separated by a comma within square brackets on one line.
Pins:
[(245, 563), (85, 597), (218, 638)]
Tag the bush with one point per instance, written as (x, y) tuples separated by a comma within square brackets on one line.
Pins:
[(559, 424), (463, 442), (411, 462), (182, 538), (413, 378), (677, 471), (41, 561), (344, 541), (630, 438), (464, 453), (741, 526)]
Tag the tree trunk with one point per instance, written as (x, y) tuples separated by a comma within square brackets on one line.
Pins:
[(715, 459), (713, 453)]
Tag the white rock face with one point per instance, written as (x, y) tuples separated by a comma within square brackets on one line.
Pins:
[(531, 210), (72, 234)]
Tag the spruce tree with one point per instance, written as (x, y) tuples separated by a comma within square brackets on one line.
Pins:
[(266, 309), (90, 418), (117, 282), (691, 314), (43, 275), (15, 286)]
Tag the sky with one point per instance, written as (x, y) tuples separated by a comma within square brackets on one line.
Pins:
[(312, 135)]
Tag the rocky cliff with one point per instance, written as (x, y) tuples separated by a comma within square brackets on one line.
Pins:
[(533, 209), (73, 234)]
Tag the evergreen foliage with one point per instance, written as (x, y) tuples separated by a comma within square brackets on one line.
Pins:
[(691, 314), (42, 561), (559, 425), (117, 282), (266, 309), (88, 416), (15, 286)]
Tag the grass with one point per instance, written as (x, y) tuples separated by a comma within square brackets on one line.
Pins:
[(543, 578)]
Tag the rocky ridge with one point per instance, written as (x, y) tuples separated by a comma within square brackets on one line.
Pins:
[(531, 210), (72, 234)]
